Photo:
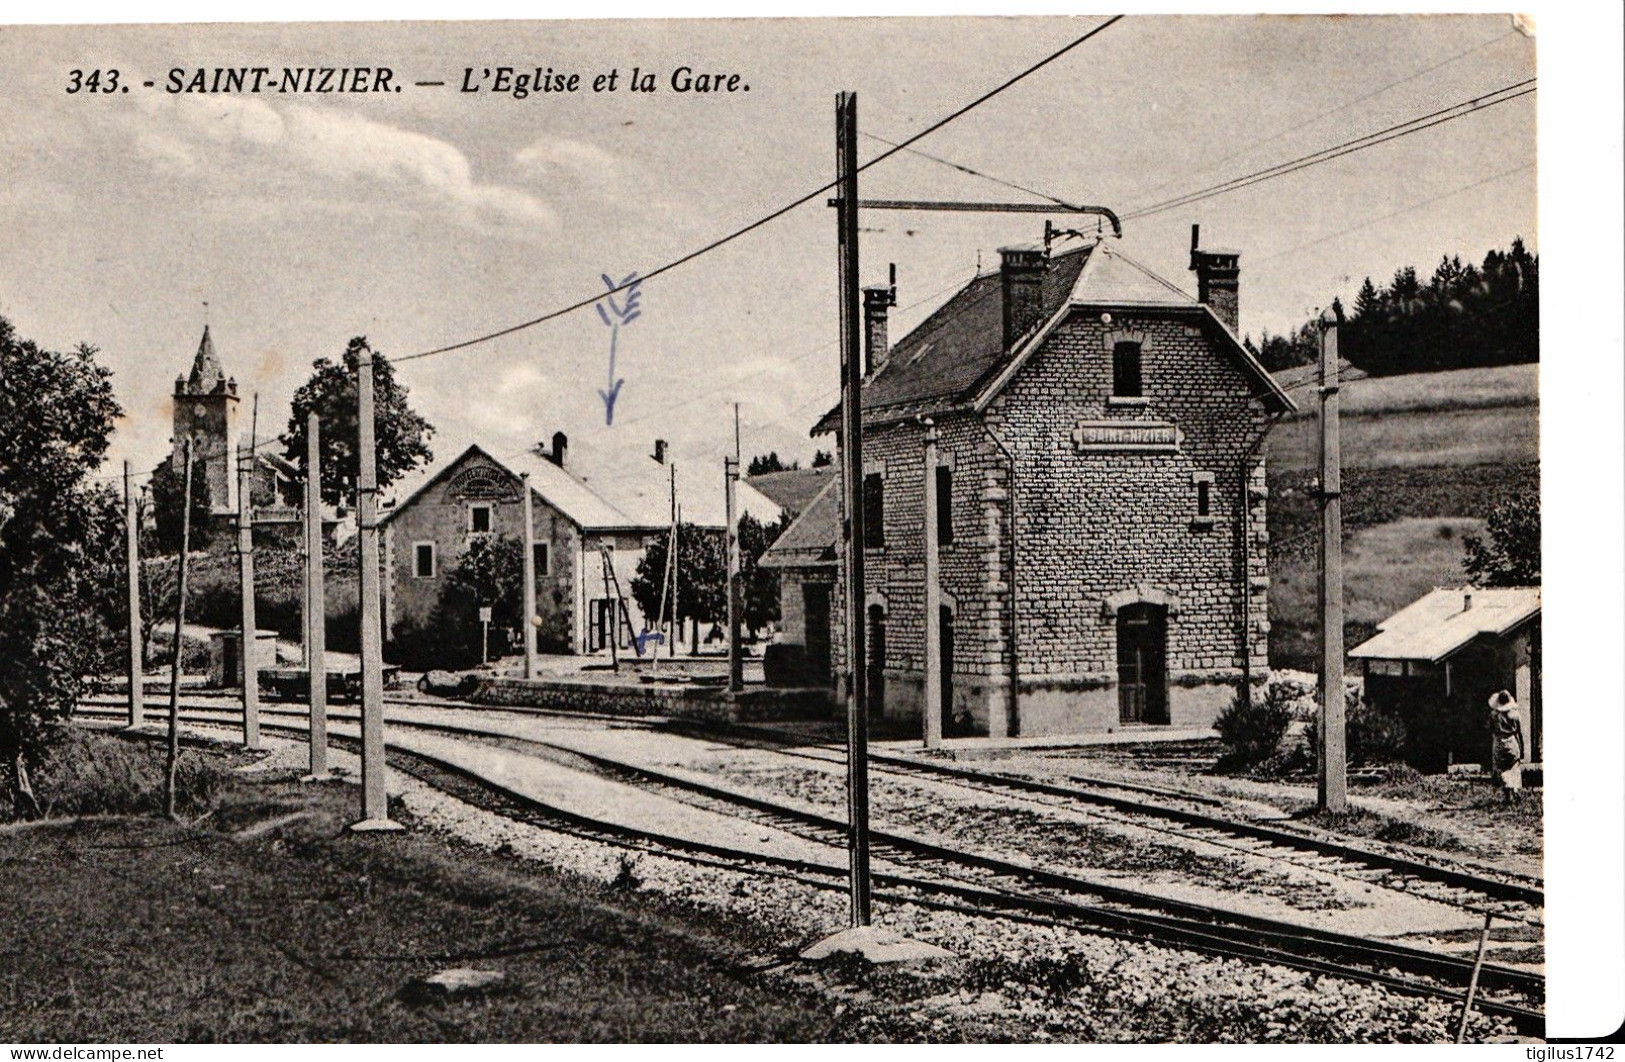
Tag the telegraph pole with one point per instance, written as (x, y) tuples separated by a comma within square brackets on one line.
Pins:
[(527, 625), (173, 759), (374, 797), (315, 601), (857, 694), (932, 708), (736, 662), (1333, 788), (132, 555), (245, 567)]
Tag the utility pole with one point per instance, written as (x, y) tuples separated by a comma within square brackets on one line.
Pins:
[(736, 662), (245, 567), (132, 563), (173, 759), (374, 797), (857, 693), (315, 601), (527, 624), (1333, 787), (932, 709), (676, 627)]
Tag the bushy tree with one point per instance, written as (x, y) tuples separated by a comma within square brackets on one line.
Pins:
[(769, 462), (702, 572), (1510, 555), (490, 574), (402, 435), (166, 485), (60, 539), (822, 458), (759, 586)]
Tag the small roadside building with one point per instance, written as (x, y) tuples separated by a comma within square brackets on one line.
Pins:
[(579, 516), (1101, 500), (1435, 663)]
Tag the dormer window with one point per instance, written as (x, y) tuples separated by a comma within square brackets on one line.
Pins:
[(1126, 381)]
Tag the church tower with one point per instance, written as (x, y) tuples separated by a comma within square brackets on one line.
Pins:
[(206, 412)]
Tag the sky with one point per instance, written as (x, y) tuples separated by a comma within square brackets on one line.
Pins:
[(431, 216)]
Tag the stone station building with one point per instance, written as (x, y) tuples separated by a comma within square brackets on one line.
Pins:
[(1101, 500)]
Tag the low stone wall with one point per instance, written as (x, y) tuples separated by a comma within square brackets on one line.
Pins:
[(650, 699)]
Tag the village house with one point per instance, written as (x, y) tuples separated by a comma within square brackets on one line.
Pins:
[(1101, 500), (1436, 662), (579, 517)]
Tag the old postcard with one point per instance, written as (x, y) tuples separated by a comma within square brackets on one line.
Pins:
[(780, 530)]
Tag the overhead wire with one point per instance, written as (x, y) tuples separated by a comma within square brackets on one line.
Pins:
[(772, 215)]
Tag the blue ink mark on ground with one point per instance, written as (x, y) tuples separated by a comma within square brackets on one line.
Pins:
[(618, 314)]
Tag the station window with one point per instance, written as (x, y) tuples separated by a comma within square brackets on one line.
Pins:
[(1126, 382), (540, 559), (945, 505), (1204, 498), (423, 560), (874, 510), (479, 519)]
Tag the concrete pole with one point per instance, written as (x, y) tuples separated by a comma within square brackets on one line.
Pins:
[(736, 660), (527, 622), (245, 567), (857, 694), (374, 796), (1332, 792), (132, 575), (172, 760), (315, 601), (932, 708)]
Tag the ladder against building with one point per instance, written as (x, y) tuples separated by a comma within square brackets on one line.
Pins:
[(623, 617)]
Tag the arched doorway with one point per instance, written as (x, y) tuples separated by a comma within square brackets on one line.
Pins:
[(877, 660), (1142, 664)]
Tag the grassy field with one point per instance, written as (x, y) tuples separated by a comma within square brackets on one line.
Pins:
[(1425, 458), (303, 932)]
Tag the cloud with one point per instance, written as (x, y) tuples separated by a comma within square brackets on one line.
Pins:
[(353, 153), (553, 156)]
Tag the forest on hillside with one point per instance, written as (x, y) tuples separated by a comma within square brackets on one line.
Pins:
[(1463, 316)]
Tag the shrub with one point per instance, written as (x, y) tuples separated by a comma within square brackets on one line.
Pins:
[(1373, 736), (89, 774), (1252, 728)]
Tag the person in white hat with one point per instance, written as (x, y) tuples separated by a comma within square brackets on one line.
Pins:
[(1507, 729)]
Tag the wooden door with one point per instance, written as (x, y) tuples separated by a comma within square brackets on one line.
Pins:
[(815, 607), (1142, 665), (945, 623), (876, 674)]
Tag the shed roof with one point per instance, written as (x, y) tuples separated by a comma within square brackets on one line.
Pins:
[(809, 542), (1439, 623), (794, 490)]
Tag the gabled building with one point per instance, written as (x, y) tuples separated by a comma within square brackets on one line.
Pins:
[(577, 514), (1102, 499)]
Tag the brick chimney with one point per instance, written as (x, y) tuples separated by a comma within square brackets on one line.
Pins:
[(660, 451), (1021, 272), (1218, 280), (877, 304), (561, 446)]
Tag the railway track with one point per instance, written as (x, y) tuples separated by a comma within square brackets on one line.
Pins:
[(1506, 897), (939, 874)]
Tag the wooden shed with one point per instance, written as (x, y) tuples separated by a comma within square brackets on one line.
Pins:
[(1435, 663)]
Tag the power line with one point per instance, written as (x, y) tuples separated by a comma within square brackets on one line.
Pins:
[(1382, 136), (962, 168), (1334, 110), (774, 215)]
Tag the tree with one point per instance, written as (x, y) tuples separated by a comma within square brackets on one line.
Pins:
[(769, 462), (1510, 556), (166, 485), (702, 572), (60, 545), (402, 435), (759, 586), (490, 574), (822, 458)]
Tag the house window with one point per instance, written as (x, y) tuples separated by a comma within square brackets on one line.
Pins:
[(874, 510), (479, 519), (1126, 382), (1204, 498), (539, 559), (423, 560), (945, 505)]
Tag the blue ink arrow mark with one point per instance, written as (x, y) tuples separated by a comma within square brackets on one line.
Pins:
[(646, 637), (617, 315)]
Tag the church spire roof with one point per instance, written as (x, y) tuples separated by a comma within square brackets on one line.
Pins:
[(207, 376)]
